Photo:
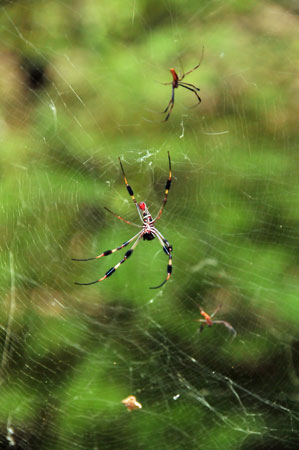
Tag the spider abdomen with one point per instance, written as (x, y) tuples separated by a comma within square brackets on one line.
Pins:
[(148, 236), (175, 78)]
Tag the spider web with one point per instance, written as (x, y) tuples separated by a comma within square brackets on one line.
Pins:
[(77, 82)]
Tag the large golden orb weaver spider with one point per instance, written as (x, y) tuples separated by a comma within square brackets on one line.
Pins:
[(148, 232), (178, 81)]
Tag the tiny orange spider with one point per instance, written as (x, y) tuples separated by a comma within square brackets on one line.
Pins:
[(209, 322), (131, 403)]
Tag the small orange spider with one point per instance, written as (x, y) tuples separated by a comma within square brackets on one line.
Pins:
[(131, 403), (176, 82), (209, 322)]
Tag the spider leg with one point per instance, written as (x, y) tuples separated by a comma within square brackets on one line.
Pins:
[(162, 239), (227, 325), (167, 249), (170, 101), (189, 84), (114, 268), (108, 252), (192, 90), (121, 218), (194, 68), (181, 76), (169, 106), (129, 189), (167, 187), (202, 325), (216, 310)]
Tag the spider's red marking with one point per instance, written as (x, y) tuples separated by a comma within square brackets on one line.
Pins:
[(142, 206), (174, 75)]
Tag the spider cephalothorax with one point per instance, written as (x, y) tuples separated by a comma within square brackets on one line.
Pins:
[(147, 222), (148, 231)]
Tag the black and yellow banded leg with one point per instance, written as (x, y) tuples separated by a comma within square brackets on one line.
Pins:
[(167, 249), (108, 252), (129, 189), (169, 269), (114, 268), (167, 188)]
